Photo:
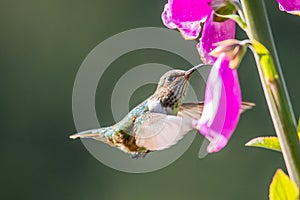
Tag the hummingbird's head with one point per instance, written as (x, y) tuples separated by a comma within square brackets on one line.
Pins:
[(172, 87)]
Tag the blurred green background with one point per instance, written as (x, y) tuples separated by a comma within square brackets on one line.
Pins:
[(43, 43)]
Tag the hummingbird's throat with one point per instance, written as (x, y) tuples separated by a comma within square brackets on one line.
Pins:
[(172, 97)]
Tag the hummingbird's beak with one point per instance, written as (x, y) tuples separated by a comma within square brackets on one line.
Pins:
[(190, 71)]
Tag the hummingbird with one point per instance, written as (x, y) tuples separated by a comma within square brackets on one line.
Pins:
[(157, 123)]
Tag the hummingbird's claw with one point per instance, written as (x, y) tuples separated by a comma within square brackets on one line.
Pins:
[(135, 156), (138, 155)]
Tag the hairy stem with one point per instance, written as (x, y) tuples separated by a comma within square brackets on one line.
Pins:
[(275, 91)]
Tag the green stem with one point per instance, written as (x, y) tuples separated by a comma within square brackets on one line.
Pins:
[(275, 90)]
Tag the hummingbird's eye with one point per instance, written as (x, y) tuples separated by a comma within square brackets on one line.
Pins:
[(171, 78)]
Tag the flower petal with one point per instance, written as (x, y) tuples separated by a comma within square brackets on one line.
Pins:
[(290, 6), (189, 30), (186, 16), (191, 10), (222, 105), (167, 19), (214, 32)]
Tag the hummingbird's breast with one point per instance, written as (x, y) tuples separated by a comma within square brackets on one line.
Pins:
[(155, 105)]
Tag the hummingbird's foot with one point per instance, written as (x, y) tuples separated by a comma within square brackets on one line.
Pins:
[(138, 155), (135, 156)]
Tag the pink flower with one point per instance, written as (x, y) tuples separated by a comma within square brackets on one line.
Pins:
[(186, 15), (290, 6), (214, 32), (222, 105)]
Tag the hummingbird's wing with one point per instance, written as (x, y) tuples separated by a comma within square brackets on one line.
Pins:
[(191, 110), (194, 110), (246, 106), (160, 131)]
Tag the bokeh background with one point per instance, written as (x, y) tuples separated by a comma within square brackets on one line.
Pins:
[(43, 43)]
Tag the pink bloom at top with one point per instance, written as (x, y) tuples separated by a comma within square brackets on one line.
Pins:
[(290, 6), (222, 105), (186, 15)]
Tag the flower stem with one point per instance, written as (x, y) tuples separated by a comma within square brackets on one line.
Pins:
[(276, 94)]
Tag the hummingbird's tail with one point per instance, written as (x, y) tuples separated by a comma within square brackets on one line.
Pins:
[(94, 133)]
